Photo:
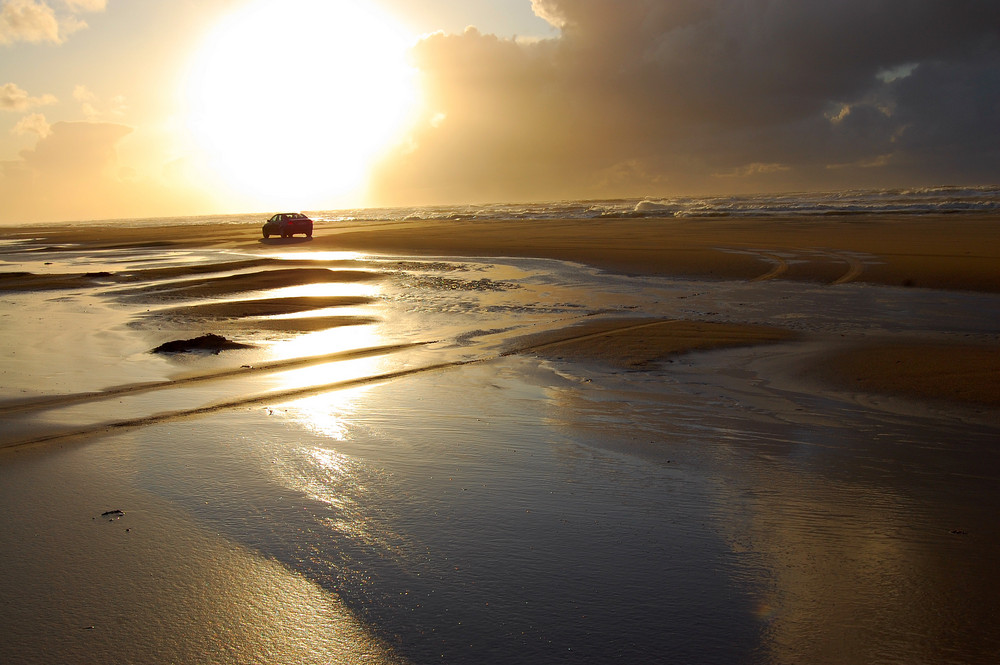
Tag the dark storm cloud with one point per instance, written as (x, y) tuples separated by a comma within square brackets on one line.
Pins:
[(660, 96)]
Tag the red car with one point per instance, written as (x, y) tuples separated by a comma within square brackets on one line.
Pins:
[(287, 224)]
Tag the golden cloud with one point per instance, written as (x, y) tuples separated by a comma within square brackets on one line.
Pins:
[(13, 98)]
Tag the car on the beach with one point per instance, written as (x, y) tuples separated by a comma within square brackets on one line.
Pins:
[(287, 224)]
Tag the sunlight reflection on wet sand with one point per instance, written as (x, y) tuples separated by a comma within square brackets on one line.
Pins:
[(153, 585)]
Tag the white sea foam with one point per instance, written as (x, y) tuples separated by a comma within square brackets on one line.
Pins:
[(913, 201), (916, 201)]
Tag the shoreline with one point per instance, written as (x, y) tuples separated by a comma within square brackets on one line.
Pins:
[(948, 252), (955, 252)]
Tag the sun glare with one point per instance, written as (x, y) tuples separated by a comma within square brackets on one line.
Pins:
[(291, 102)]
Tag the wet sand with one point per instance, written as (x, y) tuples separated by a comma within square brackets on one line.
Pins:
[(937, 252), (462, 309)]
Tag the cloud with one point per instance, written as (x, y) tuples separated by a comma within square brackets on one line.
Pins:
[(74, 173), (92, 106), (82, 93), (34, 123), (28, 21), (13, 98), (676, 92), (748, 170), (550, 12), (35, 21), (86, 5), (87, 100), (65, 175), (76, 151), (69, 174)]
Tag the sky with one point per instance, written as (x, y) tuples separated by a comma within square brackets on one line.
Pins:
[(152, 108)]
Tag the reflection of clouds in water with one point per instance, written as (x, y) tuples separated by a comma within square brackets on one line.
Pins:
[(833, 552), (837, 517)]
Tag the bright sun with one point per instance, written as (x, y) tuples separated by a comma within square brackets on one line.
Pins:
[(292, 101)]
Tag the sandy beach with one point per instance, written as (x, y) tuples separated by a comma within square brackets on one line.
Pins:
[(935, 252), (636, 440)]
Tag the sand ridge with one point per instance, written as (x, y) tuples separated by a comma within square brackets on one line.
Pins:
[(637, 343), (246, 308)]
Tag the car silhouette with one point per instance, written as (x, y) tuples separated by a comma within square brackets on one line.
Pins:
[(287, 224)]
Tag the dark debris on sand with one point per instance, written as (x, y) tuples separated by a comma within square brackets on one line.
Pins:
[(209, 342)]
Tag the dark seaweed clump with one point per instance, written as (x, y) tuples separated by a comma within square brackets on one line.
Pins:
[(209, 342)]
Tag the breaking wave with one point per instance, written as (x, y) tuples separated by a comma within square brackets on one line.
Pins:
[(914, 201)]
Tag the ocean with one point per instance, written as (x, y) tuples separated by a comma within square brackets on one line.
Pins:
[(951, 200), (914, 201)]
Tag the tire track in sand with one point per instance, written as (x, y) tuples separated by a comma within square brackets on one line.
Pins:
[(854, 268), (779, 267)]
